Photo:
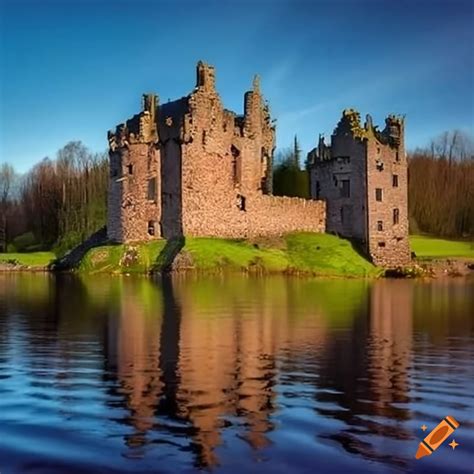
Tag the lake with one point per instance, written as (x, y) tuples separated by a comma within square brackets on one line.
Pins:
[(111, 374)]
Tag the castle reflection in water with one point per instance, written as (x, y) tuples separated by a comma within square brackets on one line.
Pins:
[(195, 362)]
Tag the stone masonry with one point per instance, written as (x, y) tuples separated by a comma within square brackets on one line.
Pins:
[(190, 167), (362, 176)]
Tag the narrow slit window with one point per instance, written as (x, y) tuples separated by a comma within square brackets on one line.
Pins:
[(378, 194), (130, 169), (346, 188), (380, 226), (395, 180), (241, 202), (236, 165), (151, 227), (396, 216), (151, 192), (318, 189)]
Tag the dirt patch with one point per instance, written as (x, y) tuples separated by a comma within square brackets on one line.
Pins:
[(99, 256)]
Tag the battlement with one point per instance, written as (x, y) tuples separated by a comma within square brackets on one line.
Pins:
[(350, 126), (205, 76), (141, 128)]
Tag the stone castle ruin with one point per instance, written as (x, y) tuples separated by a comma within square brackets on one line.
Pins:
[(362, 176), (192, 168)]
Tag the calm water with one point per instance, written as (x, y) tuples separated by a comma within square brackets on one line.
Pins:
[(116, 375)]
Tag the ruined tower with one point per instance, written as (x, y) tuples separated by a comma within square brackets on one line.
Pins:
[(362, 175), (134, 167)]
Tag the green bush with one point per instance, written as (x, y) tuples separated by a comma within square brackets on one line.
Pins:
[(23, 242), (11, 248)]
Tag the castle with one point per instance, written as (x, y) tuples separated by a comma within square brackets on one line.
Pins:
[(192, 168), (362, 176)]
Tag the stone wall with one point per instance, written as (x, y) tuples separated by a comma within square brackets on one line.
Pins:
[(345, 212), (267, 215)]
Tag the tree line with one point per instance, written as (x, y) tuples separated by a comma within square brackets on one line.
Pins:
[(441, 186), (60, 202)]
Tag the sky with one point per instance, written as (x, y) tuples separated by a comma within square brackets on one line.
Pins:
[(71, 70)]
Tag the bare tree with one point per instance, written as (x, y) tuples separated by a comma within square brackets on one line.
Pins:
[(455, 145), (441, 186), (7, 175)]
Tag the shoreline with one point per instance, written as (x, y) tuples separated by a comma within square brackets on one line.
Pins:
[(302, 255), (421, 269)]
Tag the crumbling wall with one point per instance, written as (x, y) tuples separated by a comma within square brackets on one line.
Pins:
[(225, 170)]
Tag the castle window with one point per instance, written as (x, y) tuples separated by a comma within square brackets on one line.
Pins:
[(378, 194), (342, 215), (236, 165), (395, 180), (130, 169), (346, 188), (264, 185), (381, 244), (397, 157), (151, 192), (204, 137), (151, 227), (241, 202), (318, 189), (380, 226), (396, 216)]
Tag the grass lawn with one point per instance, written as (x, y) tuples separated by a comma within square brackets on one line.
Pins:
[(317, 254), (213, 253), (432, 247), (327, 254), (33, 259)]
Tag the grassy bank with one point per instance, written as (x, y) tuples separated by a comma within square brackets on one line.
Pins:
[(426, 247), (307, 253), (315, 254), (33, 259)]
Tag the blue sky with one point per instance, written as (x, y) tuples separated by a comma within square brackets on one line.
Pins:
[(71, 70)]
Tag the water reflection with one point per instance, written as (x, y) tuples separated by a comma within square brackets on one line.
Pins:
[(228, 373), (366, 373)]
